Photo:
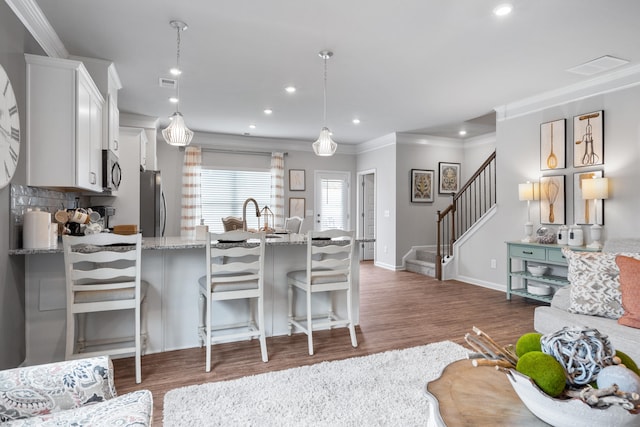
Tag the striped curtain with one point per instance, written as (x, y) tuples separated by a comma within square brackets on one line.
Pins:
[(191, 204), (277, 188)]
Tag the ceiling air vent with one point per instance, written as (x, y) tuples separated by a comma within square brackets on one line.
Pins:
[(168, 83), (604, 63)]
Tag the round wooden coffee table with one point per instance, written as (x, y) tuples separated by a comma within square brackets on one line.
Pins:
[(465, 395)]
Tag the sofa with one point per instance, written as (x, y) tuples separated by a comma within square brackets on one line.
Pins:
[(548, 319), (76, 392)]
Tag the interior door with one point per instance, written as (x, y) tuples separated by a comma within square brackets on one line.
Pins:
[(332, 200), (368, 215)]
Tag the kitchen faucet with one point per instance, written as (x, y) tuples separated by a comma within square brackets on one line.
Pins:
[(244, 211)]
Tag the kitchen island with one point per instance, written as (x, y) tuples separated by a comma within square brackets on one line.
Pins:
[(172, 266)]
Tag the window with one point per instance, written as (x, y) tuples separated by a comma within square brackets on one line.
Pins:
[(224, 192)]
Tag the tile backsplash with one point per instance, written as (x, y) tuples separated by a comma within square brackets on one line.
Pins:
[(24, 197)]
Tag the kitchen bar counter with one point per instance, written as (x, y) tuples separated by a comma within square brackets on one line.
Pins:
[(163, 243), (172, 266)]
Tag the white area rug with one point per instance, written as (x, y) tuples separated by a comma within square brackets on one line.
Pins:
[(381, 389)]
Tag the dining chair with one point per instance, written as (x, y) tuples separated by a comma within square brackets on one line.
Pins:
[(231, 223), (103, 274), (329, 257), (235, 271), (292, 224)]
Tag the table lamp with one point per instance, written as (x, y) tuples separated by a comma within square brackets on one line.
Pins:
[(595, 189), (528, 191)]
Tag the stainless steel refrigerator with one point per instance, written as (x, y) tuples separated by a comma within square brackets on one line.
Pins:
[(153, 207)]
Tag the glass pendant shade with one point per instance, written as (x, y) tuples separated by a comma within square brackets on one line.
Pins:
[(177, 133), (324, 146)]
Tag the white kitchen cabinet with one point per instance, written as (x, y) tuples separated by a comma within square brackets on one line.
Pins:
[(148, 157), (105, 76), (64, 125)]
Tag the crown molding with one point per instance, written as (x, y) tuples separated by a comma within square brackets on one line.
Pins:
[(221, 140), (618, 80), (377, 143), (486, 139), (433, 141), (38, 25)]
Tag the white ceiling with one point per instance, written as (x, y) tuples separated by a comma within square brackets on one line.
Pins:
[(420, 66)]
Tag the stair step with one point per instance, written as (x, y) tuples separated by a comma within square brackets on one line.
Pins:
[(426, 255), (425, 268)]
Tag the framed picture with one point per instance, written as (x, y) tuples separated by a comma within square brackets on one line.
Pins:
[(552, 145), (296, 206), (422, 185), (449, 178), (588, 134), (552, 196), (584, 211), (296, 180)]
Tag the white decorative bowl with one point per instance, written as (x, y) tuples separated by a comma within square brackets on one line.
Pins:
[(567, 412), (537, 270), (539, 289)]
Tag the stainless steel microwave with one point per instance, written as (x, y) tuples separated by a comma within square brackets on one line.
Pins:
[(111, 172)]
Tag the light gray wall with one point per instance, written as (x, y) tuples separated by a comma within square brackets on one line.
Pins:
[(518, 159), (170, 163), (15, 40), (416, 224)]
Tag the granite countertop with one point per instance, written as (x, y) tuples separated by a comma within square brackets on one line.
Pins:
[(169, 243)]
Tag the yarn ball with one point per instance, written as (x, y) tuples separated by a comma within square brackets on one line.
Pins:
[(544, 370), (627, 361), (582, 352), (528, 342)]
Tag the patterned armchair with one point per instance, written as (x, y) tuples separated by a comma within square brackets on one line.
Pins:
[(75, 392)]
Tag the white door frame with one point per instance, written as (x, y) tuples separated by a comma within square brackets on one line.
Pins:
[(360, 208)]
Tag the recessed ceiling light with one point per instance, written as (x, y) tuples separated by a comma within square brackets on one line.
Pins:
[(268, 111), (503, 9), (252, 126), (356, 121), (462, 133), (173, 100), (175, 71), (290, 89)]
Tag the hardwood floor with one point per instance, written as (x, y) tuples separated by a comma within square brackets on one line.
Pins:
[(397, 310)]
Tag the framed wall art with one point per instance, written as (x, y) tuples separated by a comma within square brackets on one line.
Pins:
[(552, 199), (296, 180), (422, 185), (449, 174), (588, 134), (552, 145), (584, 211), (297, 206)]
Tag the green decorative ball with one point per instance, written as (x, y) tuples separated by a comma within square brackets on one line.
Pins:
[(528, 342), (544, 370), (628, 362)]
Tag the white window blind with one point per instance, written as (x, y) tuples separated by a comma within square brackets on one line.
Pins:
[(224, 192)]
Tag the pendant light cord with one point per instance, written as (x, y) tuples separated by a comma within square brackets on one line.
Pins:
[(325, 91), (178, 68)]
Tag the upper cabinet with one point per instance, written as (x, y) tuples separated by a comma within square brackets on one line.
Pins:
[(106, 78), (64, 125)]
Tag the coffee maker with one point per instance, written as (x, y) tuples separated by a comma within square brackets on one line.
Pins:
[(105, 213)]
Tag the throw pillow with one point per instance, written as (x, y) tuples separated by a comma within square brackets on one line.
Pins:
[(630, 288), (595, 286)]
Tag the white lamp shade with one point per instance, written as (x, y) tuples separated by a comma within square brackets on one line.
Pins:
[(324, 146), (595, 189), (177, 133), (527, 191)]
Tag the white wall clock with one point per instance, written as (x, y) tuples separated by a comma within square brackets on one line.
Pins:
[(9, 130)]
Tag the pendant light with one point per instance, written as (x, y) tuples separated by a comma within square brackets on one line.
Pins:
[(177, 133), (325, 146)]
